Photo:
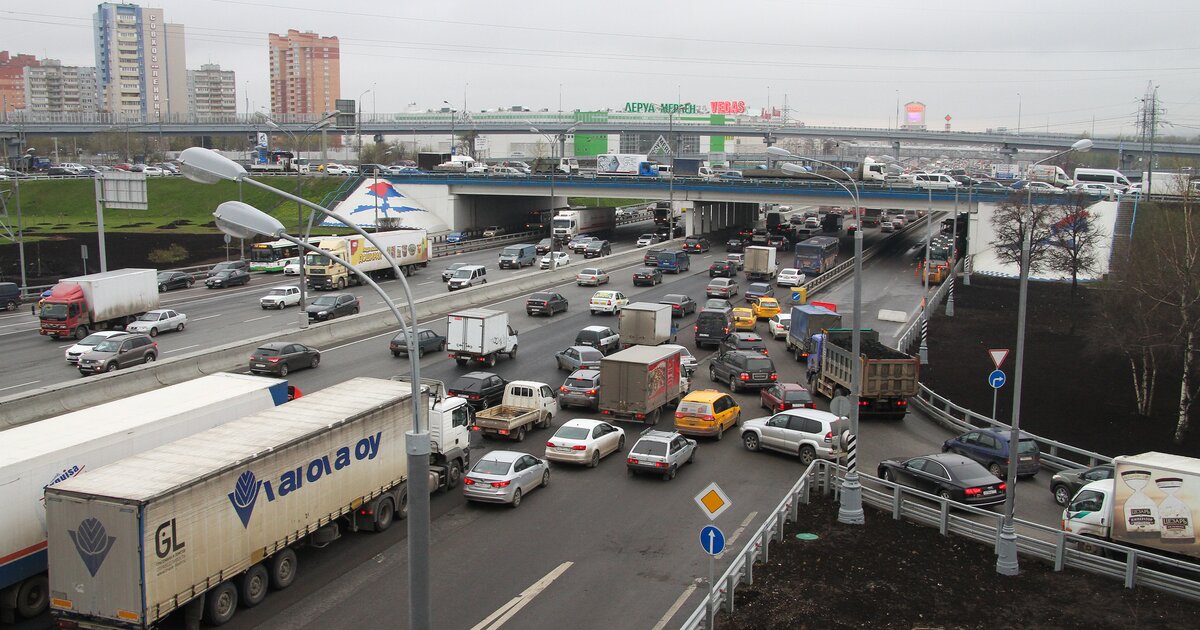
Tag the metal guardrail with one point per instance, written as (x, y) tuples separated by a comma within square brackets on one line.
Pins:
[(1134, 567)]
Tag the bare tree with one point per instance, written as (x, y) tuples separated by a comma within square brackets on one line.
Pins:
[(1075, 240), (1137, 326), (1013, 218)]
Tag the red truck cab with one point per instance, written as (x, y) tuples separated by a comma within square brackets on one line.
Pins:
[(62, 314)]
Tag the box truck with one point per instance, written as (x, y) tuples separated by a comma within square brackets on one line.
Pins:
[(1050, 174), (808, 320), (110, 299), (212, 520), (480, 335), (410, 249), (1151, 502), (35, 455), (646, 324), (760, 263), (568, 224), (609, 164), (638, 382), (887, 378)]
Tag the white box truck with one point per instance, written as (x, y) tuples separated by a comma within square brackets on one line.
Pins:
[(1151, 502), (479, 335), (609, 164), (646, 324), (35, 455), (568, 224), (212, 520), (111, 299), (410, 249), (760, 263)]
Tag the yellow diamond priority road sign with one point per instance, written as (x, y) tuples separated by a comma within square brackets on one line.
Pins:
[(713, 501)]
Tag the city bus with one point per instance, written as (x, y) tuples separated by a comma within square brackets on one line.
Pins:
[(272, 257), (816, 255)]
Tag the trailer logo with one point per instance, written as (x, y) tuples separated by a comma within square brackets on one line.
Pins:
[(93, 543), (245, 492)]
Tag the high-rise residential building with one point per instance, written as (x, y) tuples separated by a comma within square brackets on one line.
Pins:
[(211, 90), (140, 66), (305, 73), (12, 80), (52, 88)]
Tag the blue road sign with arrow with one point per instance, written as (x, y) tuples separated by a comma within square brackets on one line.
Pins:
[(997, 379), (712, 540)]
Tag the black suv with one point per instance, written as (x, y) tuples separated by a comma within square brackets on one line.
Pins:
[(332, 306), (712, 326), (722, 268), (742, 368), (595, 249), (227, 278), (480, 389), (545, 303), (743, 341)]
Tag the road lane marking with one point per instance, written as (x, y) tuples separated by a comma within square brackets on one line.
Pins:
[(196, 319), (247, 321), (16, 386), (506, 612), (183, 348), (687, 592), (737, 532), (426, 282)]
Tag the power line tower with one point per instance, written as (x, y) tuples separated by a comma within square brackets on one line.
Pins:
[(1150, 117)]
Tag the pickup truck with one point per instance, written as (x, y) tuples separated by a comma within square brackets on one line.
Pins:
[(526, 405)]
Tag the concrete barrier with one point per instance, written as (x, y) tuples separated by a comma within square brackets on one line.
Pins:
[(53, 400)]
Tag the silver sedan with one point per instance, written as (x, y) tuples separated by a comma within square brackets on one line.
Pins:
[(504, 477)]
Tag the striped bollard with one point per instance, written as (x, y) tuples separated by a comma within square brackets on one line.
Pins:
[(950, 297), (852, 454), (924, 352)]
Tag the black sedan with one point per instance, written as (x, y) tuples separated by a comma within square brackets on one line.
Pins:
[(545, 303), (332, 306), (229, 264), (680, 304), (481, 389), (168, 280), (947, 475), (1066, 483), (228, 278), (281, 357), (427, 341), (722, 268), (648, 276), (735, 246)]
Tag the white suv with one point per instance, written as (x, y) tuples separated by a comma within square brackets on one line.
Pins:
[(804, 432)]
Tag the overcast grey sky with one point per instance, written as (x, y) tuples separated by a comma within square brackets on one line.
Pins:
[(838, 62)]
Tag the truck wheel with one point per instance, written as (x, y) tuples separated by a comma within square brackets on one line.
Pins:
[(402, 499), (545, 423), (33, 596), (491, 360), (385, 512), (453, 475), (81, 332), (341, 284), (283, 569), (252, 586), (460, 362), (512, 353), (520, 436), (220, 604)]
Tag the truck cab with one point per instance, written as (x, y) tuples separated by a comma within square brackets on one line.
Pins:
[(532, 395), (1089, 513)]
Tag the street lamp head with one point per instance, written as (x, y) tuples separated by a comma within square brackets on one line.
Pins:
[(1082, 145), (206, 166), (793, 168), (242, 220), (779, 152)]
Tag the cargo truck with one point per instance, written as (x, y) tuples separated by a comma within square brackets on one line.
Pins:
[(427, 161), (760, 263), (872, 217), (526, 405), (1151, 502), (610, 164), (1050, 174), (667, 214), (646, 324), (480, 335), (691, 167), (568, 224), (410, 249), (212, 521), (35, 455), (111, 299), (831, 223), (561, 166), (638, 382), (888, 377), (808, 320)]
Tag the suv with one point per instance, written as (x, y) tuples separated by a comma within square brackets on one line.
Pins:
[(117, 352), (742, 368), (546, 303), (480, 389), (581, 389), (332, 306), (595, 249), (722, 268), (990, 448), (10, 296), (601, 338), (804, 432), (751, 341), (650, 258), (660, 452), (712, 325), (707, 412), (229, 264)]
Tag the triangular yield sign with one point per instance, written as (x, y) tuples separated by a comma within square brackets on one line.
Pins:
[(998, 356)]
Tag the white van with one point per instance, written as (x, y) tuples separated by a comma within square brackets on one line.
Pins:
[(467, 276), (934, 181), (1109, 177)]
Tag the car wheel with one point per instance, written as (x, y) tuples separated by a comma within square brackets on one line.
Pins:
[(669, 475), (396, 353), (595, 459), (712, 373), (692, 457), (996, 471), (720, 431), (162, 288), (516, 500), (944, 493), (315, 362), (111, 367), (733, 385), (807, 455), (220, 604), (442, 347), (545, 478), (420, 351), (153, 332), (252, 586), (1062, 495), (621, 444), (750, 440), (283, 370)]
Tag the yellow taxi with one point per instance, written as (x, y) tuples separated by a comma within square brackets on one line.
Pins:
[(707, 412), (744, 319), (765, 307)]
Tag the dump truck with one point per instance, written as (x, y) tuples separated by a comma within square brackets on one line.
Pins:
[(760, 263), (479, 335), (110, 299), (526, 405), (35, 455), (211, 521), (1151, 503), (638, 382), (646, 324), (808, 320), (410, 249), (888, 377)]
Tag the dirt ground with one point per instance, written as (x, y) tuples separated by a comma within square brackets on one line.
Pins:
[(894, 574)]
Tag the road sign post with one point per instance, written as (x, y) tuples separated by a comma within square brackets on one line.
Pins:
[(712, 540), (997, 378)]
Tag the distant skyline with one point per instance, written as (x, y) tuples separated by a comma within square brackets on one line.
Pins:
[(1066, 68)]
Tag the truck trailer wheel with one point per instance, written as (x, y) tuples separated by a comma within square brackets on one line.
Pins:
[(252, 586), (385, 513), (220, 604), (33, 596), (283, 569)]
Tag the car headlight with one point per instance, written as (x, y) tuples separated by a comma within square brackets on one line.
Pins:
[(323, 313)]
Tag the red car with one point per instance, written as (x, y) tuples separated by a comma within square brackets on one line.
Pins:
[(784, 396)]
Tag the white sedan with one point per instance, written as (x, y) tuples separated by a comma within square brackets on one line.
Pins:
[(292, 268), (561, 257), (583, 441), (789, 277), (607, 302), (154, 322), (280, 298), (86, 344), (647, 239)]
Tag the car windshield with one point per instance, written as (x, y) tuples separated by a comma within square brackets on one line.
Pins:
[(1027, 447), (325, 300), (108, 345), (92, 340), (54, 311), (796, 395), (491, 467), (149, 317), (580, 383), (760, 365), (467, 385), (277, 292), (648, 447), (462, 274), (573, 433)]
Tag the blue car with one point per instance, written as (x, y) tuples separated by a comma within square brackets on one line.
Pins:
[(990, 448), (456, 237)]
